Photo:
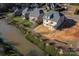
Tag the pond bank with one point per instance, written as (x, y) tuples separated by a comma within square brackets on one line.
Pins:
[(14, 36)]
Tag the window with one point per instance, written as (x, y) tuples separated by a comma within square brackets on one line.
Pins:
[(51, 16), (33, 19), (41, 11), (48, 17), (60, 14), (46, 20)]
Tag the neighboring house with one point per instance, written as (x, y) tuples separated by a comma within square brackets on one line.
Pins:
[(24, 11), (60, 6), (17, 12), (34, 5), (20, 9), (51, 5), (53, 19), (36, 15)]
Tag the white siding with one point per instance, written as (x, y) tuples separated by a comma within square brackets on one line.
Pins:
[(32, 19), (49, 24), (45, 22)]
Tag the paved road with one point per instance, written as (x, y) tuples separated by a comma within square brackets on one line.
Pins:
[(14, 36)]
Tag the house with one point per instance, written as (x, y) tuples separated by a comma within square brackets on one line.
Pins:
[(17, 11), (34, 5), (20, 9), (60, 6), (36, 15), (24, 11), (51, 6), (53, 19)]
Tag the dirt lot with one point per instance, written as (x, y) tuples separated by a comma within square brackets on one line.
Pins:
[(71, 10), (69, 34)]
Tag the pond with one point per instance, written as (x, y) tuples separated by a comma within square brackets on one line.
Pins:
[(17, 39)]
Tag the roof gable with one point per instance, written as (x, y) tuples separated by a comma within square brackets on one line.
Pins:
[(35, 12), (52, 15), (24, 11)]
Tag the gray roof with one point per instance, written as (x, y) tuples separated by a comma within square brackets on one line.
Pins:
[(52, 15), (35, 12), (24, 11)]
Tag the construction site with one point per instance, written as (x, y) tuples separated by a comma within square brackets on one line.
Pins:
[(67, 33), (40, 29)]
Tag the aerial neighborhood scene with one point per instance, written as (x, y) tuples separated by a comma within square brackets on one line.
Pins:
[(39, 29)]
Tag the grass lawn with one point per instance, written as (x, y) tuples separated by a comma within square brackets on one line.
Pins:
[(19, 20), (49, 49)]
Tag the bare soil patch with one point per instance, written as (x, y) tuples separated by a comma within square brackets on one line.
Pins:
[(68, 34)]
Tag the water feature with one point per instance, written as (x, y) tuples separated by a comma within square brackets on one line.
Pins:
[(15, 37)]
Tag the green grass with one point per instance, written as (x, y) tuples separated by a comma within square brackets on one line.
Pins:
[(70, 53), (25, 22), (18, 19), (49, 49)]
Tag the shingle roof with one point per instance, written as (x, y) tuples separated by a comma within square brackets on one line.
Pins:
[(24, 11), (52, 15), (35, 12)]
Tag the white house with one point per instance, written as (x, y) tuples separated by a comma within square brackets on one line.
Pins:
[(24, 12), (36, 14), (53, 19)]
